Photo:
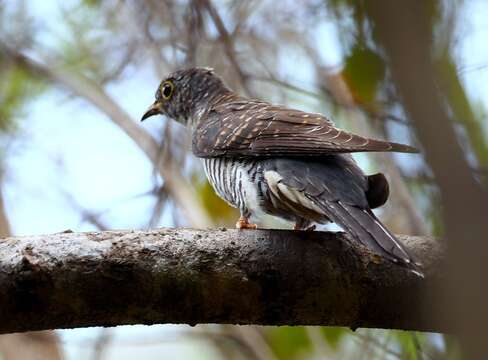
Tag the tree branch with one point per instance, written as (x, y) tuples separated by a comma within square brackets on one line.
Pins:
[(266, 277)]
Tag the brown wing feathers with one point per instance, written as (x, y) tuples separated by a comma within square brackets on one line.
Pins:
[(255, 128)]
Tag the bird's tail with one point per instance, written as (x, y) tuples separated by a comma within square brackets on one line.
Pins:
[(365, 227)]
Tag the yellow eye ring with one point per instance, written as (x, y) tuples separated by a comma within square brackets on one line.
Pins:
[(167, 89)]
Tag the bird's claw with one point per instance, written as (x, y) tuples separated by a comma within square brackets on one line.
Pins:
[(308, 228), (243, 223)]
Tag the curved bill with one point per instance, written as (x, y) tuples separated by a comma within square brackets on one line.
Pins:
[(154, 109)]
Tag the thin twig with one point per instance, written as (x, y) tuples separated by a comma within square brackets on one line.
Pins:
[(228, 44)]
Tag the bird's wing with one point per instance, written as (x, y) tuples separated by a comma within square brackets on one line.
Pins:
[(258, 129), (336, 189)]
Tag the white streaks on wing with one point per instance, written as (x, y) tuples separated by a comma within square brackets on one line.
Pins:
[(264, 128), (336, 135), (237, 128), (350, 138), (313, 129), (274, 180)]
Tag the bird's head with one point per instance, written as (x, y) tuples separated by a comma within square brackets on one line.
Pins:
[(185, 95)]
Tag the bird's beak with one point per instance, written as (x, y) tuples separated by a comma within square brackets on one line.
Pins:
[(154, 109)]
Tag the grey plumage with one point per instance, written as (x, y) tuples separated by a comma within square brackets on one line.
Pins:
[(268, 159)]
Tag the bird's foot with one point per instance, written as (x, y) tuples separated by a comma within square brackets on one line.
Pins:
[(299, 226), (244, 223)]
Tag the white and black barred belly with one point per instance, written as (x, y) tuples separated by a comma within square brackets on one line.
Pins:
[(237, 181)]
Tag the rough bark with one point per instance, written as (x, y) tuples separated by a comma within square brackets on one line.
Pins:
[(263, 277), (41, 345)]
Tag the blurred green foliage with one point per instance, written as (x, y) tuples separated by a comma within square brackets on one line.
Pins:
[(91, 2), (17, 88), (410, 344), (85, 43), (334, 335), (364, 71), (289, 342), (220, 212)]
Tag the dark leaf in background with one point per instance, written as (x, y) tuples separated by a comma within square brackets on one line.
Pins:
[(289, 342), (364, 71)]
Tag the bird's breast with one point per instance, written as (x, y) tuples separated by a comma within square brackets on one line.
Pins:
[(236, 181)]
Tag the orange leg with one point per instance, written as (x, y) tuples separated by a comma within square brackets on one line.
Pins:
[(244, 223)]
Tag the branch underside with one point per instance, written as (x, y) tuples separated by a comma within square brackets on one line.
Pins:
[(260, 277)]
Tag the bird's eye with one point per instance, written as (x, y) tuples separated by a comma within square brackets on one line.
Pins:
[(167, 89)]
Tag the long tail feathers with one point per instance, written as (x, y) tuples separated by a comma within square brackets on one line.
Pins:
[(365, 227)]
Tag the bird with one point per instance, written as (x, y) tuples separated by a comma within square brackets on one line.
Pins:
[(264, 158)]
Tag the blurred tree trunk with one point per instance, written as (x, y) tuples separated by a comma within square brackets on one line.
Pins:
[(405, 29), (40, 345)]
